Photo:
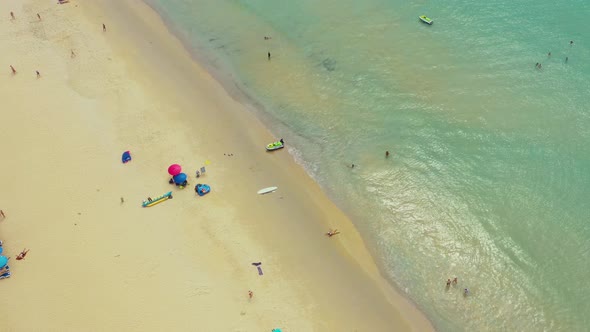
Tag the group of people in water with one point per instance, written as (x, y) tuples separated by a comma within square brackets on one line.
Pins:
[(538, 65), (454, 283)]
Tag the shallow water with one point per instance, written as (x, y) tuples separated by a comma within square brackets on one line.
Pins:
[(489, 171)]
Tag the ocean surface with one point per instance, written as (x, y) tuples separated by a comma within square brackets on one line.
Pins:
[(489, 173)]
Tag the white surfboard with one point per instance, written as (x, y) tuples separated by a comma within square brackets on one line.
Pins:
[(267, 190)]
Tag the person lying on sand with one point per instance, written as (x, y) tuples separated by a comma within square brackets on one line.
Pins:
[(22, 254), (332, 233)]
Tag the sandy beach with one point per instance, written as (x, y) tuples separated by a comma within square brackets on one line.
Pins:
[(97, 263)]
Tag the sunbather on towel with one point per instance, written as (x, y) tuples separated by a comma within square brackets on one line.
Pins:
[(22, 254)]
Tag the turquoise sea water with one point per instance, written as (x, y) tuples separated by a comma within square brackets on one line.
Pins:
[(489, 173)]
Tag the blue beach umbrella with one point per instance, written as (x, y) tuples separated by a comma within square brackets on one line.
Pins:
[(180, 178), (3, 261)]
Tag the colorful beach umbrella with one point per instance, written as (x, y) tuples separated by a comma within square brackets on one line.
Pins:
[(3, 261), (179, 178), (174, 169)]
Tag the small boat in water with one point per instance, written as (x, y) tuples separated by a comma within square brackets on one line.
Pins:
[(425, 19)]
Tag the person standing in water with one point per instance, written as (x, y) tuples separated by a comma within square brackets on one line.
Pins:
[(104, 28), (386, 154), (566, 58), (269, 56)]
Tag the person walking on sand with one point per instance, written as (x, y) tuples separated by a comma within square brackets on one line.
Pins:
[(448, 283), (2, 214), (332, 233), (104, 28), (250, 294), (22, 254), (13, 70), (72, 54), (12, 15), (465, 292), (39, 16), (38, 74), (455, 281), (268, 55)]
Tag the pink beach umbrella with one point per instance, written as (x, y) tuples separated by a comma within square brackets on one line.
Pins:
[(174, 169)]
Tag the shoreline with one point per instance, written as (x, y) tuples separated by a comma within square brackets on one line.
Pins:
[(148, 114)]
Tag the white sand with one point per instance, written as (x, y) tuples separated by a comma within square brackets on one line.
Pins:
[(98, 264)]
